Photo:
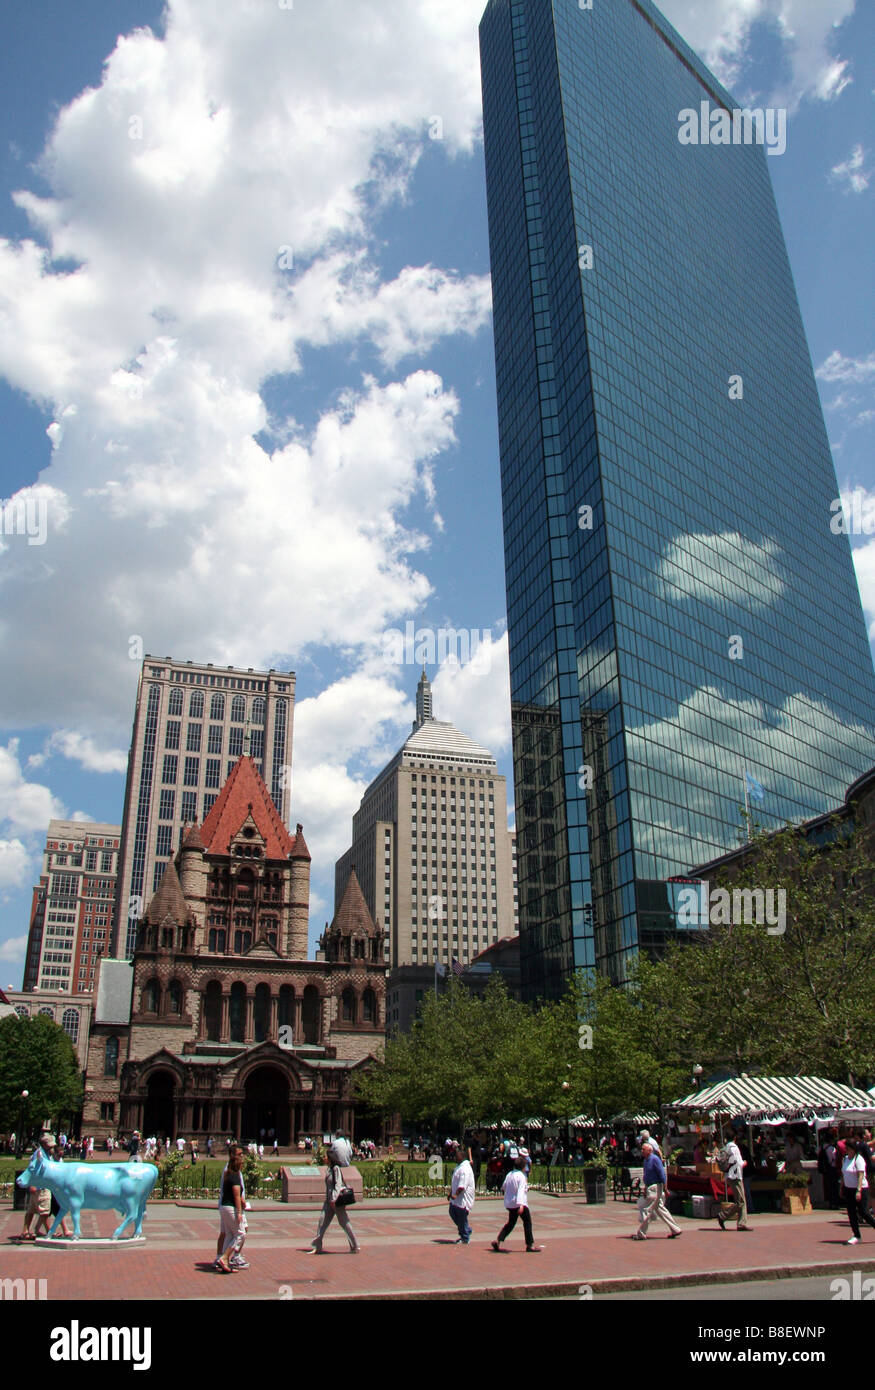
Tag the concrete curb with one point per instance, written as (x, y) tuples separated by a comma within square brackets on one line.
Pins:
[(605, 1286)]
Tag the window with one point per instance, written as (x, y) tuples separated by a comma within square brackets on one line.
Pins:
[(238, 710), (151, 997), (192, 771), (217, 708), (235, 743), (369, 1006), (189, 808), (214, 739), (347, 1002), (165, 811), (174, 997), (107, 1109), (212, 772), (193, 738), (171, 734), (110, 1057), (218, 937), (209, 803), (196, 705), (170, 764), (90, 860), (258, 709), (163, 839), (242, 942), (175, 706)]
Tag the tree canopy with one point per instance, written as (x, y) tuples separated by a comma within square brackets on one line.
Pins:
[(36, 1056)]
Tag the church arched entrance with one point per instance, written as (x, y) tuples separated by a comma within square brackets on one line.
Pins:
[(266, 1107), (159, 1111)]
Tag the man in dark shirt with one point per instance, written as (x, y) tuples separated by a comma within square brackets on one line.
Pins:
[(134, 1147)]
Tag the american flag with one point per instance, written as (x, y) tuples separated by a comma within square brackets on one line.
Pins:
[(457, 968)]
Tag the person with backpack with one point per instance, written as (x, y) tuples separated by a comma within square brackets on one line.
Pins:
[(731, 1166)]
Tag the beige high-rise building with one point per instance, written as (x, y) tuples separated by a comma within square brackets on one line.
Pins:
[(192, 723), (71, 918), (431, 848)]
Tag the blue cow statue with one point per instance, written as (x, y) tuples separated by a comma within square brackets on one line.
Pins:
[(123, 1187)]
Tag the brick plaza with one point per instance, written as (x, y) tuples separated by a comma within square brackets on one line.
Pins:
[(408, 1251)]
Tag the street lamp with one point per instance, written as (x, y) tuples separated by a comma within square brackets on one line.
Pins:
[(22, 1102), (565, 1088), (697, 1075)]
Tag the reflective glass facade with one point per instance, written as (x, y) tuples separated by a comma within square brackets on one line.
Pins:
[(679, 609)]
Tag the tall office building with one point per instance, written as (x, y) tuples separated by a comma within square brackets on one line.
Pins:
[(431, 848), (679, 610), (191, 725), (71, 918)]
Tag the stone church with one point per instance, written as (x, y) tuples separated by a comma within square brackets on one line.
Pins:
[(220, 1025)]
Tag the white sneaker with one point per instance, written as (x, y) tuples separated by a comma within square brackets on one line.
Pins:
[(855, 1240)]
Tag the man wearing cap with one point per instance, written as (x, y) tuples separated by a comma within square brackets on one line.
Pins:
[(134, 1147)]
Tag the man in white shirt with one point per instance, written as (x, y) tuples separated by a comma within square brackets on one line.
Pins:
[(516, 1200), (462, 1196), (341, 1149), (733, 1165), (180, 1146)]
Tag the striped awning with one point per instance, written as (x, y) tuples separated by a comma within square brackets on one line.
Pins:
[(645, 1118), (767, 1097)]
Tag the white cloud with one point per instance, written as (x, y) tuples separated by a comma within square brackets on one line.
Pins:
[(836, 367), (16, 868), (25, 807), (852, 172), (476, 696), (218, 227), (721, 31), (741, 572), (83, 749)]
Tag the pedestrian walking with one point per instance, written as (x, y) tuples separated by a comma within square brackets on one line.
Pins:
[(337, 1198), (276, 1145), (652, 1200), (855, 1189), (516, 1200), (232, 1215), (462, 1196), (732, 1167)]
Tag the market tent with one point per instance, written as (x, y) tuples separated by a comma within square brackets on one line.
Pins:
[(848, 1115), (641, 1120), (759, 1099)]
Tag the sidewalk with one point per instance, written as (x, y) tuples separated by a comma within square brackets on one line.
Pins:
[(408, 1252)]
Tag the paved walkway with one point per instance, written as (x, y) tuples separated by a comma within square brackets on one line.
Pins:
[(408, 1251)]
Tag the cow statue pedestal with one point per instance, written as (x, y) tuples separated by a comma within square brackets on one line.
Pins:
[(78, 1187)]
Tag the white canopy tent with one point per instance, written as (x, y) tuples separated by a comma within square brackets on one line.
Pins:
[(770, 1099)]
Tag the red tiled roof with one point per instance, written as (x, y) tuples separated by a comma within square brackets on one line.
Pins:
[(244, 793)]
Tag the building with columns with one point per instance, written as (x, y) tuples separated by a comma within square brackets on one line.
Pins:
[(219, 1024)]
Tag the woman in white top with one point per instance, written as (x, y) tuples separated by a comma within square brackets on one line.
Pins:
[(855, 1190)]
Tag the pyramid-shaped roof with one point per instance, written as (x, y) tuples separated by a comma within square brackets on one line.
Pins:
[(168, 900), (353, 912), (437, 736), (244, 794)]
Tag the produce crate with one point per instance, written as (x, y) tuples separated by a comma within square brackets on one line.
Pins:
[(705, 1208)]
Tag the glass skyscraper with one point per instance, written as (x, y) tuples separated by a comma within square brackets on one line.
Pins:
[(679, 609)]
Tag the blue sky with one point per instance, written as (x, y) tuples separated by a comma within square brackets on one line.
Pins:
[(268, 457)]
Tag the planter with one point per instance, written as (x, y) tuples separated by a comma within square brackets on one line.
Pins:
[(596, 1186), (795, 1201)]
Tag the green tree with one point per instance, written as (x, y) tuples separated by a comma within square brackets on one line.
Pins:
[(795, 1001), (36, 1056)]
